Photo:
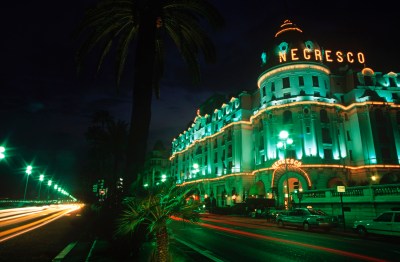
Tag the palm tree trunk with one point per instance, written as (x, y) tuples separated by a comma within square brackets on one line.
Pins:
[(162, 239), (142, 93)]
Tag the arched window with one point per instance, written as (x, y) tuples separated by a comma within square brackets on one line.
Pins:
[(287, 117)]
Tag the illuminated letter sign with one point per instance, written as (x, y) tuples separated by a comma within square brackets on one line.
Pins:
[(328, 56), (294, 54), (318, 55), (289, 161), (306, 54), (339, 56), (282, 57)]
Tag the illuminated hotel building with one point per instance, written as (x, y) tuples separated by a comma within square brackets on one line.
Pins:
[(343, 119)]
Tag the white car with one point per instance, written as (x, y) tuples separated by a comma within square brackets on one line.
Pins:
[(387, 223)]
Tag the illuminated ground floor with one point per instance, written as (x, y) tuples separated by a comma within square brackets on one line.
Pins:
[(283, 183)]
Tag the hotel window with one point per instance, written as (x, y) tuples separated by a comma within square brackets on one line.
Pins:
[(351, 155), (273, 87), (286, 82), (301, 81), (230, 165), (326, 136), (287, 117), (323, 114), (315, 81), (308, 130), (229, 135), (286, 95)]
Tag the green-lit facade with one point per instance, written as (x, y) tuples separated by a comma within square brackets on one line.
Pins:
[(342, 116)]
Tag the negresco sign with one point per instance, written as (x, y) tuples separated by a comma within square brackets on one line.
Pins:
[(289, 161), (325, 55)]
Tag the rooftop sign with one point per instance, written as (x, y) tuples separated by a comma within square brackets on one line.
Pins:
[(296, 54)]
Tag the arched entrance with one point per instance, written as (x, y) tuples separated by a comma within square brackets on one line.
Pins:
[(288, 179)]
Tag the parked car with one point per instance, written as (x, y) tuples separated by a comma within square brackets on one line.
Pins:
[(387, 223), (306, 218), (271, 213)]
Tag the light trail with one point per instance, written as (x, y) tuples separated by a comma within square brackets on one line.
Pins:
[(291, 242), (16, 211), (51, 214)]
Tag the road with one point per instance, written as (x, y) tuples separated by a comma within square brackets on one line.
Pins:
[(224, 238), (214, 238), (17, 221), (39, 233)]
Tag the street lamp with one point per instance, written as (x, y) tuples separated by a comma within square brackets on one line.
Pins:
[(2, 150), (284, 141), (28, 171), (41, 178)]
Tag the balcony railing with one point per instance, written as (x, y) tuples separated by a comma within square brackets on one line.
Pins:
[(373, 193)]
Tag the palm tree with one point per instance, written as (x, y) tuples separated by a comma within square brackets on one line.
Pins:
[(143, 25), (155, 211)]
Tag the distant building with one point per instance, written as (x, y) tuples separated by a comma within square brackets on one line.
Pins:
[(156, 168), (342, 120)]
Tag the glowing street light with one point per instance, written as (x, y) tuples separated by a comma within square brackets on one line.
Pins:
[(284, 141), (28, 171), (2, 151)]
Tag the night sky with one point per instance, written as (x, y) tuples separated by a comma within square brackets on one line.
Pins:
[(45, 107)]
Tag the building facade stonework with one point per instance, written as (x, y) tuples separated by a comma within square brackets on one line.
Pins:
[(342, 117)]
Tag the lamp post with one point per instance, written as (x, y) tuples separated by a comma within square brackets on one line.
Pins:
[(28, 172), (282, 144), (48, 188), (41, 178)]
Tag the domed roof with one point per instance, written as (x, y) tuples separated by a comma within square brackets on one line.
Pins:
[(289, 45)]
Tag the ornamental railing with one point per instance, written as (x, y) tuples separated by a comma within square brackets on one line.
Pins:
[(372, 193)]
